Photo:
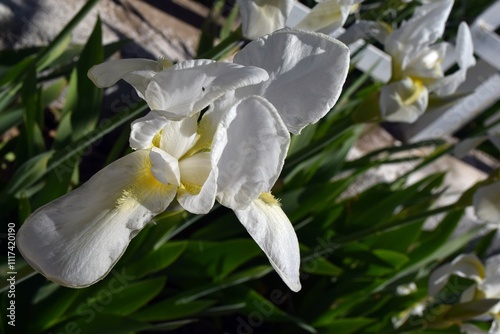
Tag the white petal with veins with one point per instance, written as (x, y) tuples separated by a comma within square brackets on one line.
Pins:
[(144, 130), (325, 17), (305, 81), (77, 239), (182, 91), (272, 231), (254, 154)]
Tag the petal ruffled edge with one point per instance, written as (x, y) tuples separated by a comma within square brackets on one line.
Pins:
[(185, 89), (144, 130)]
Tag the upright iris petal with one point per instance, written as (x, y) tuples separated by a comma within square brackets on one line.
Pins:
[(305, 81)]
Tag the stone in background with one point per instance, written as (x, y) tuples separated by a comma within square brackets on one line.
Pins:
[(156, 28)]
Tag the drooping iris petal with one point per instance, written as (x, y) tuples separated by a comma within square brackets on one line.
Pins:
[(76, 239), (465, 265), (487, 203), (186, 88), (268, 225), (306, 74), (253, 157), (137, 72), (262, 17), (424, 28), (464, 53), (403, 101), (145, 129)]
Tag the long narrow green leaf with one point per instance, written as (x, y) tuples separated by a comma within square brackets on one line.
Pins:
[(8, 95), (229, 22), (14, 72), (89, 99), (56, 52), (34, 169), (30, 97), (10, 119), (54, 49), (29, 173)]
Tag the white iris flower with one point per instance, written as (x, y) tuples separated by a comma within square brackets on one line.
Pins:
[(416, 62), (233, 154)]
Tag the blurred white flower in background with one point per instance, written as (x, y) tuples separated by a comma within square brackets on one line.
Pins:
[(416, 62), (487, 204), (485, 289), (260, 17), (327, 16)]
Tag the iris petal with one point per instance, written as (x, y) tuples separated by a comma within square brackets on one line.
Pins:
[(77, 239)]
